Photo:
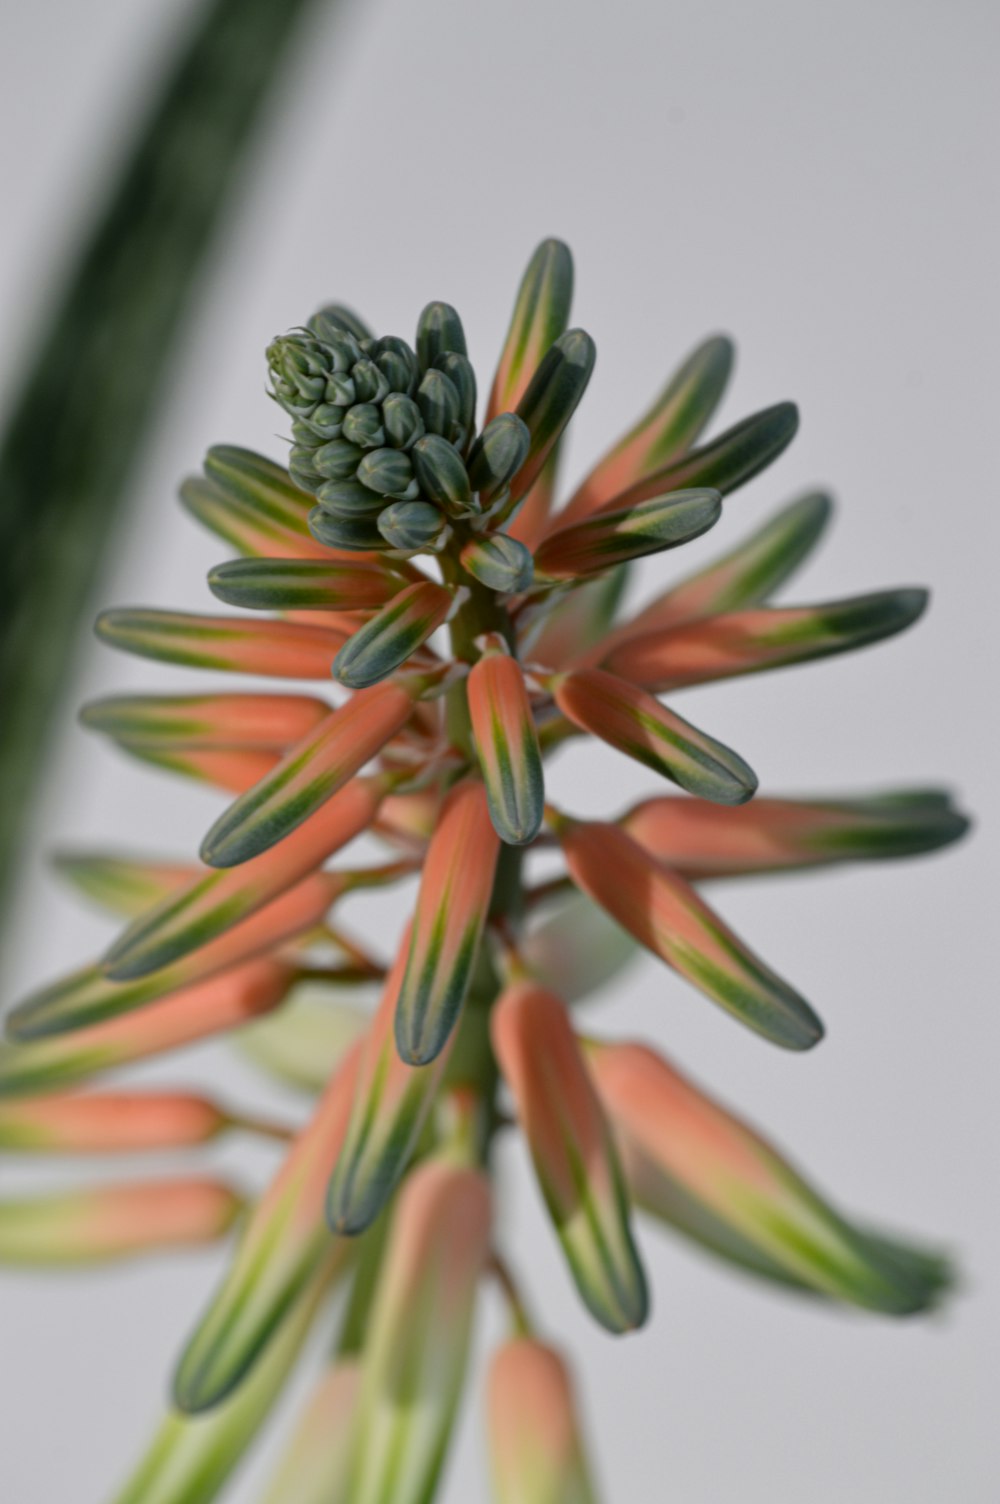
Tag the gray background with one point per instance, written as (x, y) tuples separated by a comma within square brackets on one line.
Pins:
[(816, 180)]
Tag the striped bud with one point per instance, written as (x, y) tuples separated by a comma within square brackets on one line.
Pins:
[(212, 902), (613, 538), (455, 890), (310, 774), (357, 534), (704, 1171), (666, 915), (541, 314), (442, 474), (440, 407), (391, 1103), (418, 1334), (225, 1003), (748, 642), (671, 425), (350, 500), (385, 642), (439, 330), (388, 472), (404, 424), (573, 1154), (458, 369), (87, 996), (635, 723), (507, 746), (285, 585), (268, 722), (281, 1249), (109, 1123), (314, 1468), (273, 649), (499, 562), (120, 884), (252, 503), (107, 1223), (779, 835), (411, 525), (550, 400), (498, 454), (535, 1443), (337, 460)]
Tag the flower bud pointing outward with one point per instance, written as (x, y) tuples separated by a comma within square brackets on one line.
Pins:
[(535, 1444), (612, 538), (109, 1123), (571, 1146), (418, 1335), (691, 1161), (507, 745), (385, 643), (454, 898), (666, 915), (391, 1103), (499, 562), (282, 649)]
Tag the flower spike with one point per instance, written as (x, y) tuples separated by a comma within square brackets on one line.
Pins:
[(535, 1443), (638, 725), (451, 911), (507, 744), (666, 916)]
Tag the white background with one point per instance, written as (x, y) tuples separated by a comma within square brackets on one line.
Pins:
[(820, 182)]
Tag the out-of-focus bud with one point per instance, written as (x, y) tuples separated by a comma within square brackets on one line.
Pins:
[(535, 1444), (499, 562), (455, 890), (507, 746), (418, 1335), (272, 649), (314, 1468), (251, 503), (572, 1150), (551, 399), (109, 1123)]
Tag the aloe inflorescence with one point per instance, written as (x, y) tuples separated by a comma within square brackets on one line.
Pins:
[(414, 551)]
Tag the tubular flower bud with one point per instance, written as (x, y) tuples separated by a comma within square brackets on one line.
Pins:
[(507, 744), (613, 538), (314, 1469), (385, 643), (700, 1167), (639, 726), (297, 585), (665, 915), (535, 1443), (280, 1251), (116, 1122), (113, 1222), (391, 1103), (310, 774), (261, 722), (418, 1334), (454, 898), (571, 1147), (253, 504), (499, 562), (281, 649)]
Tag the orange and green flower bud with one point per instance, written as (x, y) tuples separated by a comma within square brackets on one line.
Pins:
[(277, 649), (270, 723), (89, 996), (391, 1103), (225, 1003), (302, 585), (700, 1168), (541, 315), (109, 1123), (106, 1223), (611, 538), (779, 835), (748, 575), (572, 1150), (499, 562), (310, 774), (665, 914), (385, 642), (418, 1334), (121, 884), (233, 769), (748, 642), (637, 724), (550, 400), (723, 465), (315, 1466), (302, 1044), (253, 504), (536, 1448), (210, 903), (452, 905), (578, 622), (497, 455), (191, 1457), (283, 1245), (407, 821), (667, 430), (507, 745)]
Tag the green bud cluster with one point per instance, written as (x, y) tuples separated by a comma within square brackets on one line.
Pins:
[(384, 434)]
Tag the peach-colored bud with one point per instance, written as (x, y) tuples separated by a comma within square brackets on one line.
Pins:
[(535, 1445)]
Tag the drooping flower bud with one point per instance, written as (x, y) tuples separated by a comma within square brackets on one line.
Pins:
[(535, 1444), (572, 1150)]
